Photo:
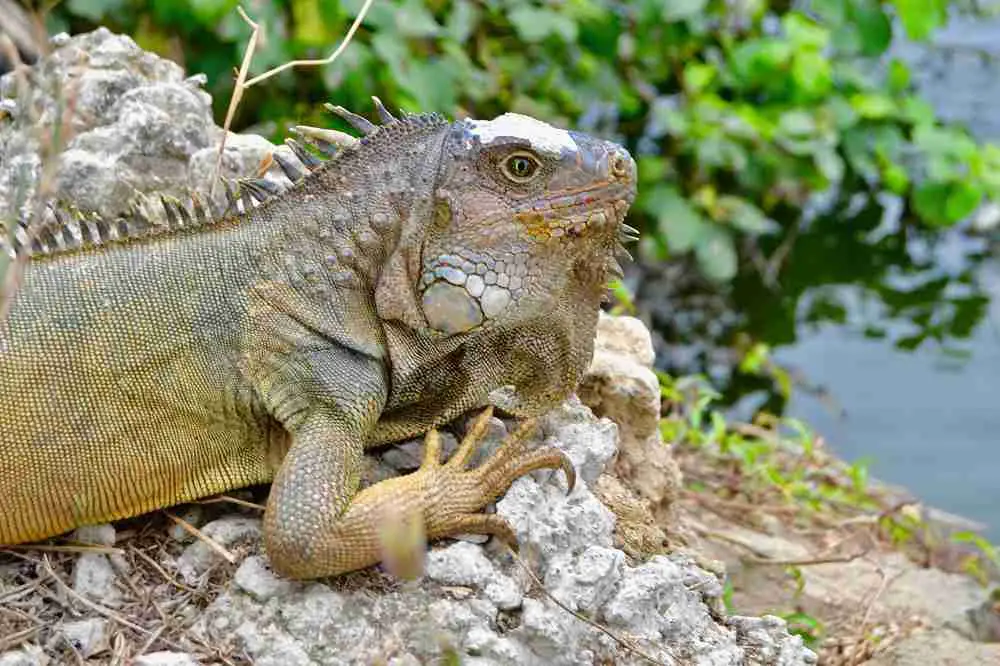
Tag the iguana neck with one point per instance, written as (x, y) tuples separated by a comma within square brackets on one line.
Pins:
[(335, 230)]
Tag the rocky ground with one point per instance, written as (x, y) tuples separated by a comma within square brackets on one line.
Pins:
[(628, 568)]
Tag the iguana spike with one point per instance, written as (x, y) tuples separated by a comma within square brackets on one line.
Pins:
[(136, 222), (231, 203), (31, 236), (103, 230), (359, 123), (293, 173), (184, 213), (627, 233), (326, 148), (253, 188), (307, 158), (86, 233), (332, 136), (168, 209), (268, 186), (622, 252), (246, 198), (19, 239), (383, 113), (198, 209), (69, 240)]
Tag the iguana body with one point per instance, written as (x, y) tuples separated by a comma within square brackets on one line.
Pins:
[(389, 290)]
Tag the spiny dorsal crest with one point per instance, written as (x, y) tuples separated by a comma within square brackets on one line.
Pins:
[(64, 228)]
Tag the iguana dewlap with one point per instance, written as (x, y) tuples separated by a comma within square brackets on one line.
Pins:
[(426, 269)]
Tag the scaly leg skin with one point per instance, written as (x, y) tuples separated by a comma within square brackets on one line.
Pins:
[(435, 501)]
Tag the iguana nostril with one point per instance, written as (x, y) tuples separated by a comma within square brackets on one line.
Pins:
[(620, 167)]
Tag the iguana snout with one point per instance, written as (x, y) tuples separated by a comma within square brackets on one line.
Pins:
[(526, 214)]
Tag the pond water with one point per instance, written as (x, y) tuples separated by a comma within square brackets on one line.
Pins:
[(929, 422)]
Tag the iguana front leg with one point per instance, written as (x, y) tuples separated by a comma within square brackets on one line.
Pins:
[(315, 525)]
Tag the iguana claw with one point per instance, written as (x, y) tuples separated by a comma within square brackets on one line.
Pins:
[(481, 485)]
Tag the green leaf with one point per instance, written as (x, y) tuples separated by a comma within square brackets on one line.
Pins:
[(921, 17), (797, 122), (830, 164), (680, 10), (679, 223), (895, 178), (872, 25), (963, 198), (760, 61), (652, 168), (717, 255), (462, 21), (899, 75), (534, 24), (413, 19), (918, 111), (812, 74), (873, 105), (432, 83), (745, 216), (929, 200), (308, 22), (804, 32), (697, 76)]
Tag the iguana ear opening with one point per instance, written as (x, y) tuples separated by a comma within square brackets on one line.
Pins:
[(395, 295)]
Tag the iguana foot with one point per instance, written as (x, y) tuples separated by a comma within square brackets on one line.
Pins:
[(391, 521), (456, 495)]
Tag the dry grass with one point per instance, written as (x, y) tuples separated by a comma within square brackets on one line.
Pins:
[(157, 608), (837, 532)]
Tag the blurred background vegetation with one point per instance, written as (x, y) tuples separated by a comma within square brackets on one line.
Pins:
[(783, 152)]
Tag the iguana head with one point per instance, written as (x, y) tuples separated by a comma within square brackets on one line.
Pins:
[(526, 219), (503, 262)]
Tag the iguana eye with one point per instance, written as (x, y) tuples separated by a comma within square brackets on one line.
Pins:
[(520, 167)]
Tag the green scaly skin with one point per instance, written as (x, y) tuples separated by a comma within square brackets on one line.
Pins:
[(279, 344)]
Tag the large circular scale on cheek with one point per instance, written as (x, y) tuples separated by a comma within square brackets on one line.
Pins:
[(451, 309)]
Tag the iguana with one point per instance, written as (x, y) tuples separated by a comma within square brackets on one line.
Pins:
[(403, 278)]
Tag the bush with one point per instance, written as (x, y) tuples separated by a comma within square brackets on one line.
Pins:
[(743, 115)]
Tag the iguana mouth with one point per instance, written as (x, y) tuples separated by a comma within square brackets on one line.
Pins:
[(574, 216)]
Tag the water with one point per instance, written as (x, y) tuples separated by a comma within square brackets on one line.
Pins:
[(928, 421)]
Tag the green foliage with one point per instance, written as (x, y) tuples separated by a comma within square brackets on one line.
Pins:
[(984, 563), (740, 117), (737, 123), (806, 626)]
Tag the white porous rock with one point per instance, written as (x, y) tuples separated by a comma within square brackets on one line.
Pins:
[(88, 637), (255, 577), (94, 573), (228, 531), (621, 385), (477, 602), (30, 655), (464, 563)]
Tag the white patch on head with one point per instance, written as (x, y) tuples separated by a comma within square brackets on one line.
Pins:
[(543, 137)]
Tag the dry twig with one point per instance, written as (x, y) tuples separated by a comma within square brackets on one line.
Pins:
[(211, 543), (241, 78)]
